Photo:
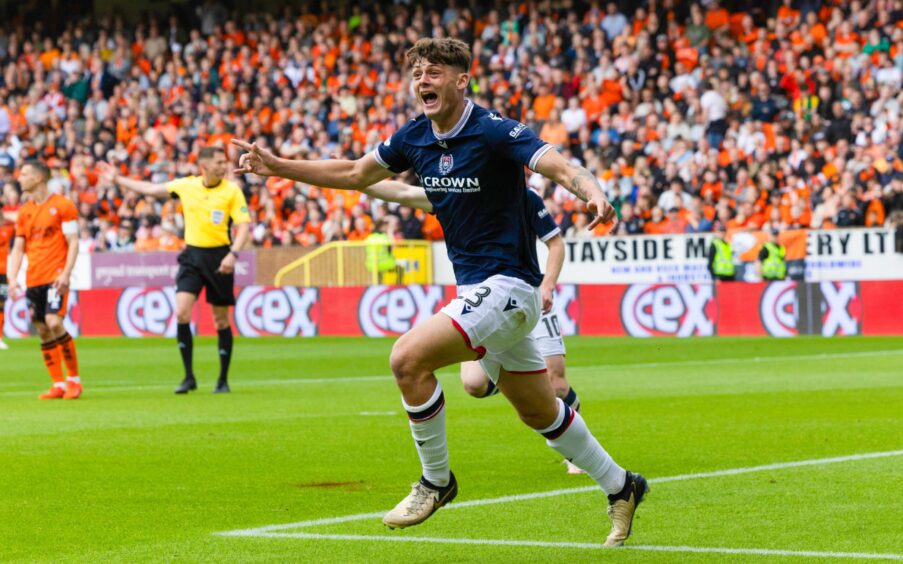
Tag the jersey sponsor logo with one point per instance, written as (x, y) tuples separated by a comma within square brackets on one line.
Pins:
[(456, 185), (388, 141), (446, 163), (442, 144), (286, 312), (394, 310), (517, 130), (18, 317), (683, 310), (542, 213), (147, 312), (496, 117), (788, 309)]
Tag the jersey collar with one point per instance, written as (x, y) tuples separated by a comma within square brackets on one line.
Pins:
[(468, 107)]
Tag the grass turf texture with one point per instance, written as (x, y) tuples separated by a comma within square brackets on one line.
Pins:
[(314, 429)]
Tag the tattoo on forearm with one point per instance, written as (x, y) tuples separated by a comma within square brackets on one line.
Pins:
[(577, 188)]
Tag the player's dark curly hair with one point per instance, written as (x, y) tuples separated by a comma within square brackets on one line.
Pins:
[(445, 51)]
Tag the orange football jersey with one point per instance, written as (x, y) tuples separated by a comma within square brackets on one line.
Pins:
[(45, 245), (6, 235)]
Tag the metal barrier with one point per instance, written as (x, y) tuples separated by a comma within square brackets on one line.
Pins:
[(358, 263)]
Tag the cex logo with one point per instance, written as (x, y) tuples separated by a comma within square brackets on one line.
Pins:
[(779, 309), (287, 312), (841, 309), (18, 318), (834, 309), (682, 310), (147, 312), (392, 310)]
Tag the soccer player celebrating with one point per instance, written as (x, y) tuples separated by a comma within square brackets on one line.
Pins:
[(471, 164), (47, 233), (547, 332), (211, 204)]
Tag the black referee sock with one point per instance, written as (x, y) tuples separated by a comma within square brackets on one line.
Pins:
[(225, 352), (186, 346)]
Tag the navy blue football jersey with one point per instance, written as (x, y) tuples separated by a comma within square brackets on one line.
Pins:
[(474, 177), (541, 221)]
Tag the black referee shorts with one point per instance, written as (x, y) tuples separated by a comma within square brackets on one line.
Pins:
[(198, 269)]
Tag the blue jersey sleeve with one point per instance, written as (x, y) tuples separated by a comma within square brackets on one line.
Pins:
[(539, 217), (390, 153), (514, 140)]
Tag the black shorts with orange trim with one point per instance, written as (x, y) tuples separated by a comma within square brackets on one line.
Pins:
[(4, 292), (46, 299)]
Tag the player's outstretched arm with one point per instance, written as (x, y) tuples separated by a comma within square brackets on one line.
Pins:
[(399, 192), (109, 174), (333, 173), (579, 182), (554, 264)]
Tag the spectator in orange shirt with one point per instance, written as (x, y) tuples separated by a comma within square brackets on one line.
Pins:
[(674, 223), (360, 231), (656, 224), (544, 103), (553, 131)]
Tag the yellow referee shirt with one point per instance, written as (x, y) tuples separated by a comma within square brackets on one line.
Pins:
[(207, 211)]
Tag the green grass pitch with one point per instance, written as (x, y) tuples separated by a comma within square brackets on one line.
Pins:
[(314, 430)]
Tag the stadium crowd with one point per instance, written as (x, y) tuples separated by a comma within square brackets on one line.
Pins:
[(694, 116)]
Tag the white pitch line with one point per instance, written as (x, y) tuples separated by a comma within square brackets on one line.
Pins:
[(755, 359), (590, 546), (257, 531), (355, 379), (249, 383)]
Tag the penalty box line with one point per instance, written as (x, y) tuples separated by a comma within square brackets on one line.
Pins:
[(270, 530)]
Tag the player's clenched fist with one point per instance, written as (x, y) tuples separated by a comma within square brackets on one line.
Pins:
[(256, 160), (603, 210)]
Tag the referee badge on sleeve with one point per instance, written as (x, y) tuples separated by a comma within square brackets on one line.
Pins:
[(217, 216)]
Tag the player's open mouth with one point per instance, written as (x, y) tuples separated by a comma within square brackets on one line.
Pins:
[(430, 99)]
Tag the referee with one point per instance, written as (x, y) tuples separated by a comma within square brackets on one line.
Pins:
[(210, 204)]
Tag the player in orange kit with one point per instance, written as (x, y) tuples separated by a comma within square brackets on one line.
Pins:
[(47, 232), (6, 235)]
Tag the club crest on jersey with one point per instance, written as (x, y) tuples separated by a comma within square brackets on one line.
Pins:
[(52, 211), (446, 162)]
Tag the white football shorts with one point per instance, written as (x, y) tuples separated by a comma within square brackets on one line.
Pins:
[(548, 335), (496, 318)]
